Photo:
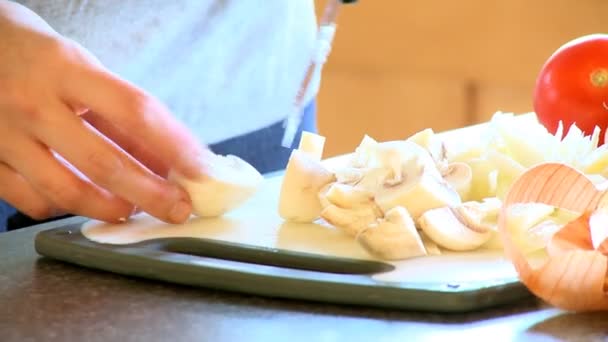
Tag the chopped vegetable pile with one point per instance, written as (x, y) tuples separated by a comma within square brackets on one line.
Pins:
[(422, 195)]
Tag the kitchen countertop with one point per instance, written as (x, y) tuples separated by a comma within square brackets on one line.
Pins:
[(47, 300)]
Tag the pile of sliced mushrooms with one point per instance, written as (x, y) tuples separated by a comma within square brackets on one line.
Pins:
[(416, 197), (398, 199)]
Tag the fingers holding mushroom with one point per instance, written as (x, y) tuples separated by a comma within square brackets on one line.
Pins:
[(228, 182)]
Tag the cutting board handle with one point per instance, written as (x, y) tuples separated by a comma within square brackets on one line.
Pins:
[(250, 254)]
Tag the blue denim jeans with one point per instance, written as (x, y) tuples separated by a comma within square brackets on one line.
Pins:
[(261, 148)]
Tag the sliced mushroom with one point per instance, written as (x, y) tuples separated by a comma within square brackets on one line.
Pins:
[(312, 144), (406, 175), (393, 238), (384, 163), (322, 195), (304, 177), (373, 179), (428, 140), (350, 175), (429, 245), (365, 153), (349, 197), (418, 191), (452, 230), (349, 208), (395, 155), (350, 220), (227, 183), (486, 213)]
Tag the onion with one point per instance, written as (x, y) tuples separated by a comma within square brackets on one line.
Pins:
[(573, 275)]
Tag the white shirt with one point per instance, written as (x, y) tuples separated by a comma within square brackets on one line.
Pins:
[(224, 67)]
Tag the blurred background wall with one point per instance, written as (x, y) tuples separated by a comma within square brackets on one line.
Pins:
[(398, 66)]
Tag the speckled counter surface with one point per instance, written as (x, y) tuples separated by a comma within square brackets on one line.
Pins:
[(46, 300)]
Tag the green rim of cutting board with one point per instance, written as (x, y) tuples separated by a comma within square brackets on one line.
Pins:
[(272, 272)]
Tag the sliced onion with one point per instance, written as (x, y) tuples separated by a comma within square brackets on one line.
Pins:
[(574, 275)]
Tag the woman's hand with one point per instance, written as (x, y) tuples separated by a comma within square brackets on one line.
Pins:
[(76, 138)]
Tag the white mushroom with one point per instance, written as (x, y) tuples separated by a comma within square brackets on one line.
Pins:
[(312, 144), (348, 196), (401, 173), (429, 245), (299, 197), (394, 155), (393, 238), (428, 140), (322, 195), (350, 220), (227, 183), (372, 179), (457, 230), (349, 175), (418, 191), (350, 209), (365, 153)]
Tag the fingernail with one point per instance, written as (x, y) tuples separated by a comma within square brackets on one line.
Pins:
[(180, 212)]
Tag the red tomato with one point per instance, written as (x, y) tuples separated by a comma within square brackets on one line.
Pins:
[(573, 86)]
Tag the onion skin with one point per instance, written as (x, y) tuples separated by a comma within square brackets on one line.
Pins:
[(574, 275)]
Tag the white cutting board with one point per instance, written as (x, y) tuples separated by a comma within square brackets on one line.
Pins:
[(258, 223)]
